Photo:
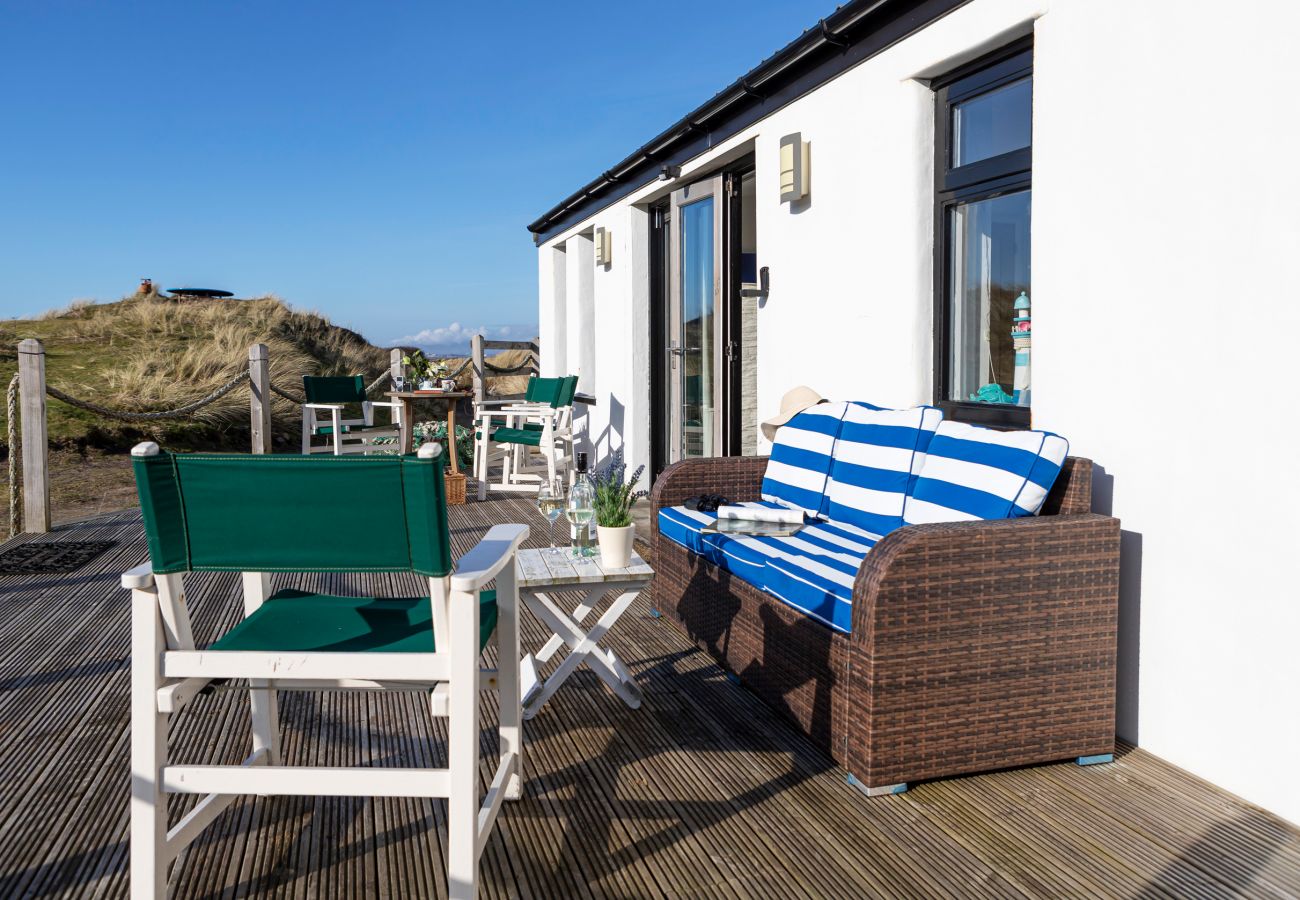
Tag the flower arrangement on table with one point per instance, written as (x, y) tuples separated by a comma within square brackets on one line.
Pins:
[(424, 432), (427, 372), (615, 497)]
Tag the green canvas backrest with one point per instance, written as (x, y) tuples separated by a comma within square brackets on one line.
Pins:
[(233, 512), (333, 388), (557, 392), (542, 390), (568, 390)]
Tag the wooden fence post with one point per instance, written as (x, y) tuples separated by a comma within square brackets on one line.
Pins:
[(395, 362), (476, 355), (259, 383), (36, 472)]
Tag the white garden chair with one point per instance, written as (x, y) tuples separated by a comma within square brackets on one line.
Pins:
[(325, 398), (531, 440), (262, 514)]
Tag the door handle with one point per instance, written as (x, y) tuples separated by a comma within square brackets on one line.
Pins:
[(680, 351)]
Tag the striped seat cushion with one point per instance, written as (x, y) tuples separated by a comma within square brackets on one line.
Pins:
[(801, 458), (812, 571), (685, 527), (978, 473), (876, 460)]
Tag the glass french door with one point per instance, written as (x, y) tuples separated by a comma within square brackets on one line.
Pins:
[(695, 368)]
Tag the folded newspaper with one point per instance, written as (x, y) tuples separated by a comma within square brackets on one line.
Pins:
[(762, 514)]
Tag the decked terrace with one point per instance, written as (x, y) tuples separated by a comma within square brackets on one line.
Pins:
[(704, 791)]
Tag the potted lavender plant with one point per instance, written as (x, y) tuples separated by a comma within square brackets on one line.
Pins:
[(613, 508)]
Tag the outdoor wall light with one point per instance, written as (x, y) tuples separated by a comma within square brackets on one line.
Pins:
[(794, 167), (668, 172), (604, 247)]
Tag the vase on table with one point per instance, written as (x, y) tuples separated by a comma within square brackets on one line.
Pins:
[(615, 545)]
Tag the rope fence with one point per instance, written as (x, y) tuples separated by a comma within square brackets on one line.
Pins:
[(129, 416), (527, 366), (124, 415)]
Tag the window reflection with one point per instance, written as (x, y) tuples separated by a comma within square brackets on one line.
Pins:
[(993, 123), (989, 269)]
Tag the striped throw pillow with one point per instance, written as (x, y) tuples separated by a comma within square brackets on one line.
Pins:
[(978, 473), (876, 461), (801, 458)]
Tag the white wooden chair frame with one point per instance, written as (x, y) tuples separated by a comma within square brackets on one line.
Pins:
[(167, 670), (521, 470), (353, 442)]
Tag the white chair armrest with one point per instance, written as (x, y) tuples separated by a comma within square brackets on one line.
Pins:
[(490, 555), (394, 404), (138, 578), (323, 405)]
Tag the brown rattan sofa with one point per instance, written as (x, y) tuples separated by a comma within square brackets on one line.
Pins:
[(974, 645)]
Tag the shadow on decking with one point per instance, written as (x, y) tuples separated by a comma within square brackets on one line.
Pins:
[(704, 790)]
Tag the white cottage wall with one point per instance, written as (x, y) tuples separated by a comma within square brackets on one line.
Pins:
[(1164, 320), (1162, 235)]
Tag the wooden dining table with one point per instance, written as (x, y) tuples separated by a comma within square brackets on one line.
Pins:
[(408, 400)]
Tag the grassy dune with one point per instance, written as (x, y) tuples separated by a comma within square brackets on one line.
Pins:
[(145, 354)]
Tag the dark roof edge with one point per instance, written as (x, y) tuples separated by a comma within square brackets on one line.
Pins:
[(853, 33)]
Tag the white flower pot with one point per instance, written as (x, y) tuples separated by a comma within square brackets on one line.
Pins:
[(615, 546), (426, 384)]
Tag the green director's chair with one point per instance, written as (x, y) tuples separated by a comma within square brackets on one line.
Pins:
[(259, 515), (532, 439)]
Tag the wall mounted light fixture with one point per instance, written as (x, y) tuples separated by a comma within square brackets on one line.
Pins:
[(794, 167), (603, 247)]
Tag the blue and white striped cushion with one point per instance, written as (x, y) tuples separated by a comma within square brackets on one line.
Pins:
[(812, 571), (686, 527), (876, 460), (978, 473), (801, 458)]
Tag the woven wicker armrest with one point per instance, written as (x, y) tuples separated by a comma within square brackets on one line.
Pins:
[(980, 645), (735, 477)]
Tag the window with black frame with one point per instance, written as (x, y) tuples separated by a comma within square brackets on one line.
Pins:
[(983, 146)]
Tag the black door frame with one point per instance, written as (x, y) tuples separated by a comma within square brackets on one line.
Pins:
[(729, 311)]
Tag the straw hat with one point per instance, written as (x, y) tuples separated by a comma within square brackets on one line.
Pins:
[(795, 401)]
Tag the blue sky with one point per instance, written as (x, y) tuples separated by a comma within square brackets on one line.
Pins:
[(375, 161)]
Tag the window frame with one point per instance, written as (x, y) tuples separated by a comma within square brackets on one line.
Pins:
[(984, 179)]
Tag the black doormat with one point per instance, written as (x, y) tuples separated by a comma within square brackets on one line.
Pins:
[(50, 558)]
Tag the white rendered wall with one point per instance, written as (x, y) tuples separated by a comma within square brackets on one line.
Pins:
[(1164, 321), (552, 316), (1165, 246)]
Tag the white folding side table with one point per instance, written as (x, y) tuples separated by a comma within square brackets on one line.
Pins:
[(538, 573)]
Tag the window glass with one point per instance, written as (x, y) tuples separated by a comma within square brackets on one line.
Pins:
[(988, 270), (993, 123)]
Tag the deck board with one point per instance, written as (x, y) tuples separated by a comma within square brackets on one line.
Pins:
[(703, 792)]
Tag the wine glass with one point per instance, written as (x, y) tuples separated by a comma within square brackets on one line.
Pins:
[(550, 501)]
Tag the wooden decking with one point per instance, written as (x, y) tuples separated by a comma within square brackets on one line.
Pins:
[(702, 792)]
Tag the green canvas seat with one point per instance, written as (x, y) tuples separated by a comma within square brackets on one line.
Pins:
[(528, 436), (258, 515), (300, 620)]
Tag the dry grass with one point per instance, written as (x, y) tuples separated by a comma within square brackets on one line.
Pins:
[(147, 353)]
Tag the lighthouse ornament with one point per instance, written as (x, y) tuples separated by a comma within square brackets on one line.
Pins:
[(1020, 341)]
